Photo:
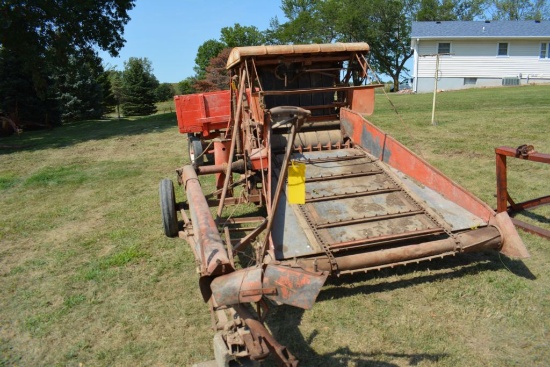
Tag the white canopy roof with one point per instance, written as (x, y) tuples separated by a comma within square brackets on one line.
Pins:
[(239, 53)]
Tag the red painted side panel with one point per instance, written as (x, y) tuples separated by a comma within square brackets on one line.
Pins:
[(362, 100), (203, 112), (398, 156)]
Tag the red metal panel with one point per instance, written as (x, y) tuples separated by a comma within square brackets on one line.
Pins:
[(398, 156), (203, 112), (188, 113), (216, 104), (362, 100), (395, 154)]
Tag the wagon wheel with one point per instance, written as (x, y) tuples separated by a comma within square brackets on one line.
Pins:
[(168, 208), (195, 151)]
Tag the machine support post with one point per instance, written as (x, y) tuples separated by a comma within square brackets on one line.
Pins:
[(528, 153), (277, 195), (502, 183), (234, 134)]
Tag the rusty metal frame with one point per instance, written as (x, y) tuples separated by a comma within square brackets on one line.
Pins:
[(525, 152), (250, 146)]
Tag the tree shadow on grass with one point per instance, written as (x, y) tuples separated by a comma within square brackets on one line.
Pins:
[(77, 132), (284, 320)]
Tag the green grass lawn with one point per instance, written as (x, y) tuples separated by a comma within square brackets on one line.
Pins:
[(87, 277)]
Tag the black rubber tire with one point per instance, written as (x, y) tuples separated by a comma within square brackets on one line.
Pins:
[(195, 150), (168, 208)]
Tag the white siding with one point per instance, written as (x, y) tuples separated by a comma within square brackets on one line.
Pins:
[(477, 59)]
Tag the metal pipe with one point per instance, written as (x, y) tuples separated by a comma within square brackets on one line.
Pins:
[(209, 245), (238, 166), (472, 241), (322, 138)]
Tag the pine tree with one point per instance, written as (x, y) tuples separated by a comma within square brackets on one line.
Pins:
[(109, 100), (164, 92), (28, 96), (115, 80), (38, 37), (138, 84), (80, 90)]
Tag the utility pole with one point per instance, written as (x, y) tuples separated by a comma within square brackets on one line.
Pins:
[(435, 87)]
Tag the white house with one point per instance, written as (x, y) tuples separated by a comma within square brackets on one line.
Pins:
[(480, 53)]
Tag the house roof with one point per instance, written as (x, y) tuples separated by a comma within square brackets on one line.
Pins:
[(481, 29)]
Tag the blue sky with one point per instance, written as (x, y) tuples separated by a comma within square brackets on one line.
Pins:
[(169, 32)]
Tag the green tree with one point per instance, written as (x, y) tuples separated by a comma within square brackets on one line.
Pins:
[(217, 77), (43, 35), (470, 9), (520, 9), (210, 73), (234, 36), (241, 36), (109, 101), (20, 98), (80, 89), (115, 80), (32, 28), (433, 10), (138, 85), (309, 21), (206, 51), (164, 92), (186, 86), (385, 25)]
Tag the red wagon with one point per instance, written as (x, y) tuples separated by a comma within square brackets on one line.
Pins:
[(203, 117)]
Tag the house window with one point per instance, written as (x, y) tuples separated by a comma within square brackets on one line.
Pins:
[(444, 48), (470, 81), (502, 49), (545, 50)]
